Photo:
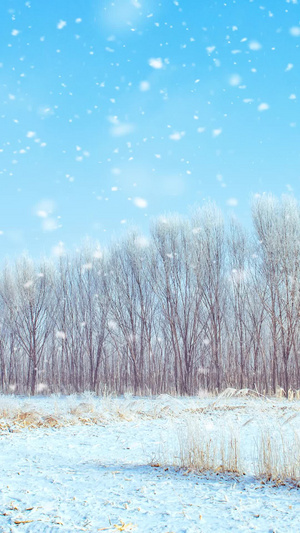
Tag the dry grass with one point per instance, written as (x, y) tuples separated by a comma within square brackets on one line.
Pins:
[(208, 451), (213, 435), (278, 456), (207, 448), (55, 411), (51, 421), (28, 419), (234, 393), (292, 394), (82, 408), (18, 414)]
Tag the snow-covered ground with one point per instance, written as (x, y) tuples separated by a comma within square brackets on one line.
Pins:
[(96, 472)]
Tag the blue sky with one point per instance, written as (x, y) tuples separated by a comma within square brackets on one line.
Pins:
[(115, 112)]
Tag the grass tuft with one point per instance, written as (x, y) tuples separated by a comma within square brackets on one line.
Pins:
[(203, 451), (278, 456)]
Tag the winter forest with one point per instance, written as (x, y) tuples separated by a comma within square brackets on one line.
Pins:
[(200, 304)]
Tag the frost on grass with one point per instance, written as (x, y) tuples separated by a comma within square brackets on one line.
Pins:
[(205, 448), (161, 463)]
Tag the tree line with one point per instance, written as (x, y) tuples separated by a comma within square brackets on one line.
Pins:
[(199, 304)]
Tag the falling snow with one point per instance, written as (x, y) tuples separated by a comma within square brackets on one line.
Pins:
[(103, 105)]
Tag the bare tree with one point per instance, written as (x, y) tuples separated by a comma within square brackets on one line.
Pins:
[(194, 305), (175, 273), (278, 228), (28, 297)]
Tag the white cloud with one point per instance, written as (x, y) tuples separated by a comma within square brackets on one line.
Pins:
[(44, 208), (50, 224), (255, 46), (235, 80), (176, 136), (210, 49), (42, 214), (233, 202), (14, 33), (295, 31), (263, 107), (120, 14), (121, 129), (155, 62), (140, 202), (45, 111), (144, 86), (61, 24), (217, 132)]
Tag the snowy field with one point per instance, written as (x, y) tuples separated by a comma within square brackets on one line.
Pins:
[(90, 464)]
